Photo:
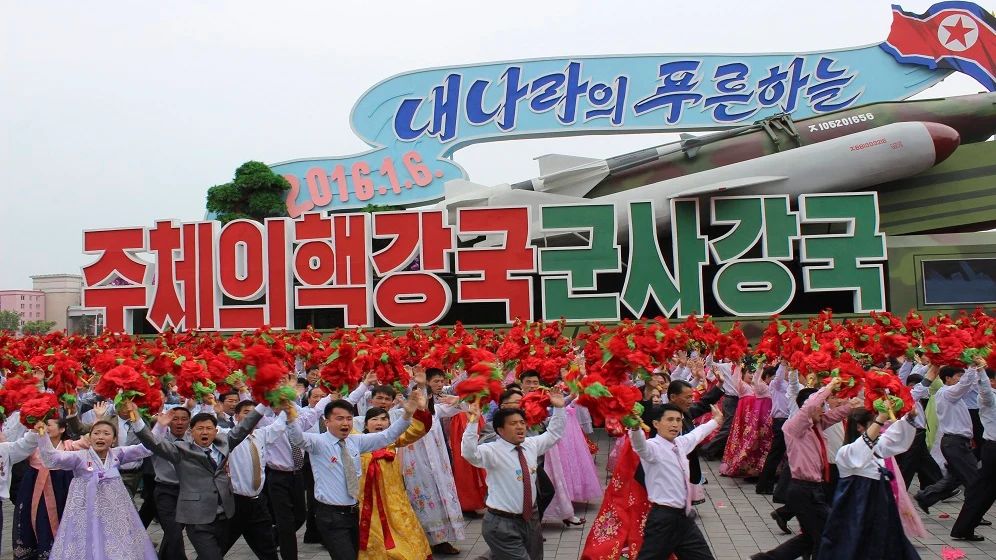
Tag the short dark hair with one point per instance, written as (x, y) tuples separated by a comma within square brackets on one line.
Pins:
[(657, 411), (340, 404), (498, 420), (512, 386), (383, 390), (803, 396), (310, 369), (203, 417), (244, 404), (373, 412), (433, 373), (529, 373), (227, 394), (948, 372), (112, 425), (677, 387), (990, 373), (507, 395), (769, 371), (913, 379), (302, 381)]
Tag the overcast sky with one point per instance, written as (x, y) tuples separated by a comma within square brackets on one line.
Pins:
[(121, 113)]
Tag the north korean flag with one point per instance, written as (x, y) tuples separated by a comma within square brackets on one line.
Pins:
[(957, 36)]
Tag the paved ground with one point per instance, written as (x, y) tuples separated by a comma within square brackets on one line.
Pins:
[(735, 520)]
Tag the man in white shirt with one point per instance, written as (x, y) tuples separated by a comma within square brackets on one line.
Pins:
[(245, 468), (512, 523), (981, 495), (671, 525), (955, 421), (335, 462)]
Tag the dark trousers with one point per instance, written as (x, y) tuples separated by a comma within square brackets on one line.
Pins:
[(513, 538), (340, 530), (979, 496), (917, 461), (285, 491), (171, 547), (977, 431), (544, 487), (769, 473), (714, 449), (252, 521), (209, 539), (962, 469), (310, 527), (668, 531), (808, 500), (148, 511), (131, 479)]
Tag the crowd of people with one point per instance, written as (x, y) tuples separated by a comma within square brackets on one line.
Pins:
[(377, 472)]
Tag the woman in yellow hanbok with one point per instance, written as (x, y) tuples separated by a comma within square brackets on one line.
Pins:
[(389, 527)]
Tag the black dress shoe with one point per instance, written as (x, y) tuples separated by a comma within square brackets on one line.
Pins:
[(985, 523), (782, 524), (919, 502), (972, 538)]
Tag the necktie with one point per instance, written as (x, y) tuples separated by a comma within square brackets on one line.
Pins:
[(210, 456), (257, 467), (298, 455), (527, 485), (823, 453), (684, 476), (352, 482)]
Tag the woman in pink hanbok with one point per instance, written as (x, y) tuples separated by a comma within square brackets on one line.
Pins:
[(751, 433), (100, 521), (580, 474)]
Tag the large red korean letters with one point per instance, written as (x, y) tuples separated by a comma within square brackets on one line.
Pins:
[(246, 274)]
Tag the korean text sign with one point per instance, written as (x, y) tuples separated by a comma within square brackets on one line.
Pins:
[(245, 274)]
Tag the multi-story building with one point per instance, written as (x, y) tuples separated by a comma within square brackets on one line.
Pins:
[(29, 304), (62, 292)]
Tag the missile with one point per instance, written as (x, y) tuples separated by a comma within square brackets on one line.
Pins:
[(972, 116), (849, 162)]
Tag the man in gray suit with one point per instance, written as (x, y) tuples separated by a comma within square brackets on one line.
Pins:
[(206, 503)]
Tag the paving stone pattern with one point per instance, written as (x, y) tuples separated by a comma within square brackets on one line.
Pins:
[(734, 519)]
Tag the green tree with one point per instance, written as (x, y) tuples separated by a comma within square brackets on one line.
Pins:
[(255, 193), (85, 325), (37, 327), (9, 321)]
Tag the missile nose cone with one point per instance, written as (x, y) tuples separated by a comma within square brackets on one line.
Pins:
[(946, 140)]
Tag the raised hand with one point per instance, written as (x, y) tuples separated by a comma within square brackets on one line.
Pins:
[(473, 411), (856, 403), (165, 418), (411, 405), (418, 396), (556, 398), (449, 399), (370, 379), (717, 414), (100, 410), (418, 375)]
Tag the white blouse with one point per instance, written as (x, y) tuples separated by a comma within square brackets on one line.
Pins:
[(860, 459)]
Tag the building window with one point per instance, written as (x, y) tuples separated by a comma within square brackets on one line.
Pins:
[(22, 298)]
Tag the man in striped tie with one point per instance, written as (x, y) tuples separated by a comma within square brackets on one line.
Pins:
[(512, 523), (245, 468)]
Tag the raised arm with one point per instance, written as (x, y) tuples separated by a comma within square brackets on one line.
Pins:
[(689, 441), (638, 440), (421, 424), (372, 442), (801, 421), (985, 392), (162, 447), (130, 453), (51, 457), (245, 427), (21, 448), (469, 448), (963, 386), (301, 439), (554, 431)]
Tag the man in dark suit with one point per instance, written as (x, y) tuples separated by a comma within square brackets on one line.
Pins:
[(205, 502)]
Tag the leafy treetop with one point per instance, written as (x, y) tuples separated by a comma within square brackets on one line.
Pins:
[(255, 193)]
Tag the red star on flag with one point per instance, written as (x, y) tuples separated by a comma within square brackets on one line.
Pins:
[(958, 32)]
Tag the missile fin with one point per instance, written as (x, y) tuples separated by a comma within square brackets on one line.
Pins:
[(554, 163)]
